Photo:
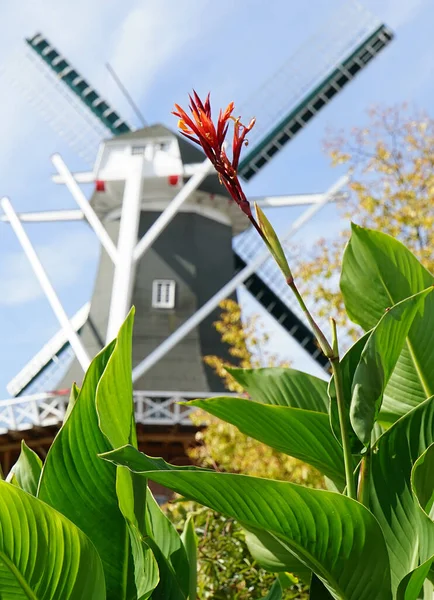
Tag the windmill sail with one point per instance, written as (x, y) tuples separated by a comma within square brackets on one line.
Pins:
[(102, 110), (309, 80)]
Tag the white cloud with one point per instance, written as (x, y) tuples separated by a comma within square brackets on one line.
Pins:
[(64, 259)]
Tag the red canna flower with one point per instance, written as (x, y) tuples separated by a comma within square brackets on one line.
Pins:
[(200, 129)]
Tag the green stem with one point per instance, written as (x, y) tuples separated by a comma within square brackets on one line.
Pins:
[(348, 459), (270, 238), (332, 353), (320, 337), (365, 473)]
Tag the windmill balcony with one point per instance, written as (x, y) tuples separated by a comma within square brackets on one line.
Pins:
[(48, 408)]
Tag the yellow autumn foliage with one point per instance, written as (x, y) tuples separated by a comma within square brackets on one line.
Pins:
[(391, 167)]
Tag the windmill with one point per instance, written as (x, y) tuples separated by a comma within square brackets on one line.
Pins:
[(156, 205)]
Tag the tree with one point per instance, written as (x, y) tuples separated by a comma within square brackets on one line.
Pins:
[(247, 341), (391, 167)]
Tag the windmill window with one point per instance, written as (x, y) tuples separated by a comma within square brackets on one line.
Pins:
[(163, 293), (138, 149)]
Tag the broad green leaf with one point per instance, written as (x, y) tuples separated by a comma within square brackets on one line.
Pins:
[(275, 592), (378, 360), (115, 409), (271, 555), (168, 587), (422, 480), (412, 584), (43, 556), (132, 492), (422, 485), (82, 486), (170, 553), (26, 471), (334, 536), (144, 564), (284, 387), (189, 539), (379, 263), (303, 434), (114, 398), (390, 494), (348, 364)]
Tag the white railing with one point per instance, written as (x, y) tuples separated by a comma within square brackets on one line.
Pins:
[(44, 409)]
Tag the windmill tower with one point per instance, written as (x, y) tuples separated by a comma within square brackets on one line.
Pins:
[(188, 263), (167, 231)]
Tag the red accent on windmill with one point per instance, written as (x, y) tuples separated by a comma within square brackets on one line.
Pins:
[(173, 179), (99, 185)]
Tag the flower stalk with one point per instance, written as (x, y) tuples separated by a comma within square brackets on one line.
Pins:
[(200, 129)]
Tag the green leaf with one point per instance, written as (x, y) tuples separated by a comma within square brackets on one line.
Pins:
[(273, 242), (391, 497), (26, 471), (411, 586), (348, 363), (145, 566), (189, 539), (275, 592), (334, 536), (379, 263), (170, 553), (422, 480), (115, 408), (114, 398), (79, 484), (377, 362), (168, 587), (272, 556), (43, 556), (132, 492), (283, 387), (303, 434), (422, 485)]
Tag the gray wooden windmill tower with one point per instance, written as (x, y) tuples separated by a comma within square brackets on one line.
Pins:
[(166, 230)]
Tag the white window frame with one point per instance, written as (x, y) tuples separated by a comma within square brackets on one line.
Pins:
[(163, 293), (139, 149)]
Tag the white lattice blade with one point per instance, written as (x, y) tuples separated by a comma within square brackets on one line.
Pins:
[(307, 67), (80, 177), (292, 200), (47, 216), (38, 86), (46, 354)]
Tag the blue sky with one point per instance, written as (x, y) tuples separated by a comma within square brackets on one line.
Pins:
[(161, 49)]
